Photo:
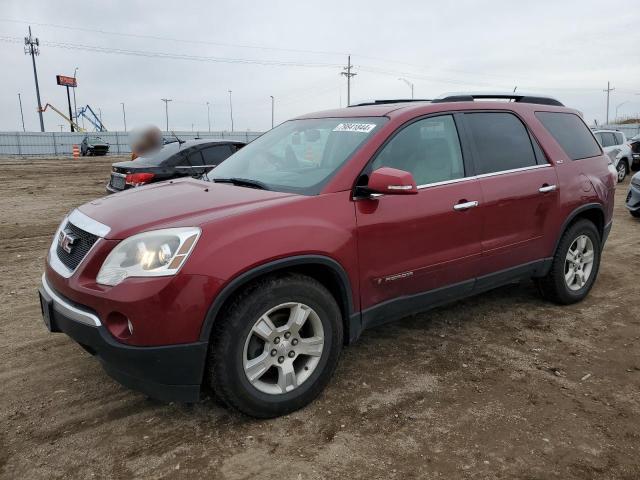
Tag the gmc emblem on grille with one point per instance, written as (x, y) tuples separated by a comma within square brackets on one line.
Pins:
[(66, 241)]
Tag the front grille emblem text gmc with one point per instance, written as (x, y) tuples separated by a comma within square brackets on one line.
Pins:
[(66, 241)]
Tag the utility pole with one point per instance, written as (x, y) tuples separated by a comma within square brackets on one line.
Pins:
[(21, 114), (231, 110), (409, 84), (347, 73), (272, 109), (75, 106), (166, 110), (209, 117), (124, 116), (32, 47), (608, 90)]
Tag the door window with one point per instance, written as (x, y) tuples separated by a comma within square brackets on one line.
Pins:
[(215, 155), (619, 139), (429, 149), (501, 142), (608, 139)]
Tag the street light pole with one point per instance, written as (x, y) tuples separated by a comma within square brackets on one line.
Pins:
[(21, 114), (272, 109), (618, 106), (124, 116), (231, 110), (409, 84), (166, 110), (209, 117)]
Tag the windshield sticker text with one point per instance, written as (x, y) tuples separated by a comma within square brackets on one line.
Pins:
[(355, 127)]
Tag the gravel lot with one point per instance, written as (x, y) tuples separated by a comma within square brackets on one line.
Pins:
[(502, 385)]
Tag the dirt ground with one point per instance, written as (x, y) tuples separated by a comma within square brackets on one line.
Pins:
[(503, 385)]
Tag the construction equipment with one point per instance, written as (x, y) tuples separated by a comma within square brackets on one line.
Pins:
[(67, 119), (88, 113)]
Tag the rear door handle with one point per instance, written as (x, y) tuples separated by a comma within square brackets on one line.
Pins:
[(547, 188), (465, 205)]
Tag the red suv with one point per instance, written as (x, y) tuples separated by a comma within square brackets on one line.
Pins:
[(250, 280)]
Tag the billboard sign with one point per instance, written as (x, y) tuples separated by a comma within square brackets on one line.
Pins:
[(66, 81)]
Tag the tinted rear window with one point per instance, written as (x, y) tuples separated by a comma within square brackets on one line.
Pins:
[(571, 133)]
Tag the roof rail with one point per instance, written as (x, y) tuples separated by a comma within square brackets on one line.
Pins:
[(389, 101), (516, 97)]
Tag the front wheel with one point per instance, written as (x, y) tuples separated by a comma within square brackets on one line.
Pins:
[(575, 265), (275, 348)]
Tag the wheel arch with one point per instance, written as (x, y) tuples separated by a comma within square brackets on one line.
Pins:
[(593, 212), (322, 268)]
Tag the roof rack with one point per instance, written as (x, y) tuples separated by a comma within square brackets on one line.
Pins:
[(389, 101), (516, 97)]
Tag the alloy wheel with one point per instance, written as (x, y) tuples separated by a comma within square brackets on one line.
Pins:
[(579, 262), (283, 348)]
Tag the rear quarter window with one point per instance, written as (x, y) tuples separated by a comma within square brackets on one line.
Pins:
[(571, 133)]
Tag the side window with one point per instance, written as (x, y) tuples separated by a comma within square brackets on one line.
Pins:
[(215, 155), (571, 133), (429, 149), (608, 139), (194, 159), (501, 142), (619, 139)]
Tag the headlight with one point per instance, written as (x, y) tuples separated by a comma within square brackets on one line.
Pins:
[(150, 254)]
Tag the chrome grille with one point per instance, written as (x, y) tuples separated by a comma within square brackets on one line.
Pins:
[(80, 248)]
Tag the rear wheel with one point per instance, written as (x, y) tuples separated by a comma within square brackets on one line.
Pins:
[(276, 346), (635, 214), (575, 265), (622, 170)]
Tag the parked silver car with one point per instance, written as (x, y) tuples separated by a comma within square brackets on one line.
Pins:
[(614, 144)]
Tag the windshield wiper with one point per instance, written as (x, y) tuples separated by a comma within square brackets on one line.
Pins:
[(242, 182)]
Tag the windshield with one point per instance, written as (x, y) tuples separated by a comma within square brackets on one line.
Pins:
[(299, 156)]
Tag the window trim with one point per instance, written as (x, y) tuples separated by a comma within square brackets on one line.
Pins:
[(484, 175)]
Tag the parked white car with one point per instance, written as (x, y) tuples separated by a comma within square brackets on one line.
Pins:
[(614, 144)]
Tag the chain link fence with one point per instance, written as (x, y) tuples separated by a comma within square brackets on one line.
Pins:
[(61, 143)]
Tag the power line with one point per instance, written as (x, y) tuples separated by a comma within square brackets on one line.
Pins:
[(171, 39), (173, 56)]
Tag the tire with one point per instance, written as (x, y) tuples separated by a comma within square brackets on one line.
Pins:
[(235, 344), (635, 214), (554, 286), (622, 169)]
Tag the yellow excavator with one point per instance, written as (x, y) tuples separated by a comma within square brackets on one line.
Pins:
[(68, 120)]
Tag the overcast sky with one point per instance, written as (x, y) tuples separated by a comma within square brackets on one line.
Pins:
[(295, 50)]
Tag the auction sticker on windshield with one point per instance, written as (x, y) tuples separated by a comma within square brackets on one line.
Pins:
[(355, 127)]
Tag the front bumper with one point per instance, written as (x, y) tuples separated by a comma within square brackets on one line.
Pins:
[(167, 373), (633, 198)]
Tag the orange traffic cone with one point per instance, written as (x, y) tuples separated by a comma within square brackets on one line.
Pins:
[(76, 151)]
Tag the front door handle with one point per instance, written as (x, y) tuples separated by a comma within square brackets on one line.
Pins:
[(465, 205), (547, 188)]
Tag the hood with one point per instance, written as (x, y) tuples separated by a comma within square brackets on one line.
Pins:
[(177, 203)]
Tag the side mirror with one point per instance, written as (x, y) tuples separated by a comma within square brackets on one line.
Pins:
[(391, 181)]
